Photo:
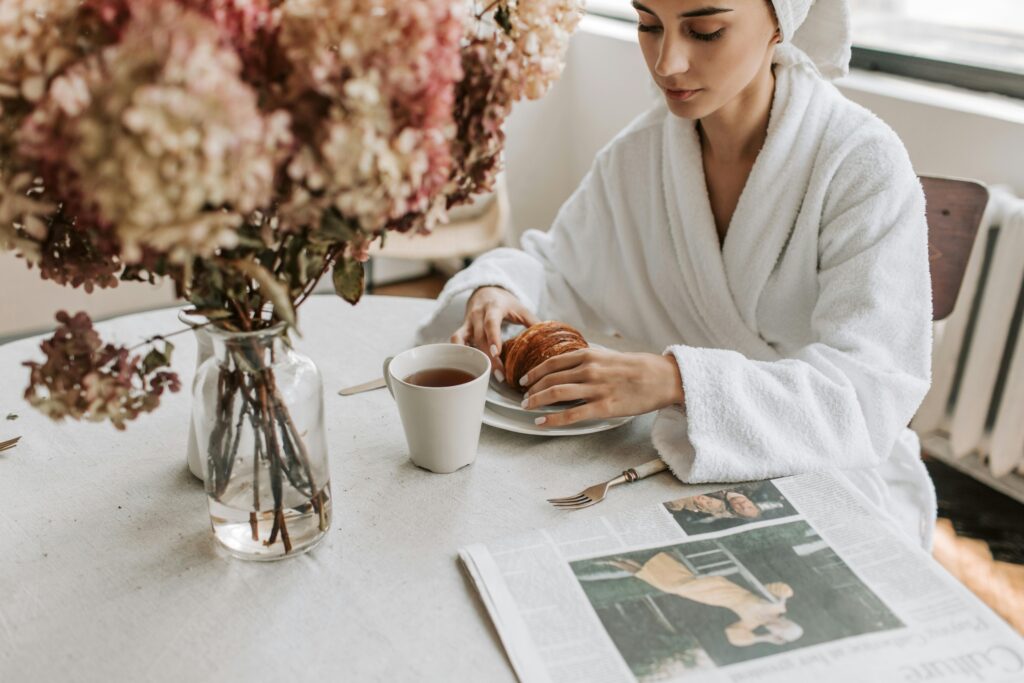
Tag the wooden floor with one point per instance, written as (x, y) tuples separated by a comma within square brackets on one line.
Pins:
[(424, 288), (979, 538)]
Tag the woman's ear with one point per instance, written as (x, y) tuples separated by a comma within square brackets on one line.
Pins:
[(777, 38)]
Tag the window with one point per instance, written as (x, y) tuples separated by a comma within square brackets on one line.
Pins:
[(977, 44)]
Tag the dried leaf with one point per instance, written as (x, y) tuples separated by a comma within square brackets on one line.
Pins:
[(349, 278), (274, 291), (335, 228), (157, 359)]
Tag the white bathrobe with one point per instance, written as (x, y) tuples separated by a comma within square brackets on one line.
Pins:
[(804, 344)]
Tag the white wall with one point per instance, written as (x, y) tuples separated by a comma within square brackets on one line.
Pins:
[(947, 131), (552, 142), (28, 303)]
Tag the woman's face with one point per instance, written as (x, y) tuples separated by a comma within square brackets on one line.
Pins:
[(703, 53), (709, 504), (743, 506)]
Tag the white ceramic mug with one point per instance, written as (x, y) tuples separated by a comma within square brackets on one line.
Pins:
[(442, 424)]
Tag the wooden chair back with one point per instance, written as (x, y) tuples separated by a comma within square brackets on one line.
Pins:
[(954, 209)]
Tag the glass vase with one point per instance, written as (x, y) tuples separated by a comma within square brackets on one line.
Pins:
[(204, 349), (257, 411)]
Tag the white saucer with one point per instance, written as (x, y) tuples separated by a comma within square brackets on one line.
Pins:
[(522, 423)]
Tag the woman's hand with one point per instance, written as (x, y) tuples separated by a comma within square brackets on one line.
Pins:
[(613, 384), (485, 311)]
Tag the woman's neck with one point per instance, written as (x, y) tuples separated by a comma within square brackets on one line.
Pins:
[(736, 132)]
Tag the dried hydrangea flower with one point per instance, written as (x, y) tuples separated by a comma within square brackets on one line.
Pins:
[(482, 105), (541, 30), (82, 378), (33, 46), (161, 136), (386, 71)]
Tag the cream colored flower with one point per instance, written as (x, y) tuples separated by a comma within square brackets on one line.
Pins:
[(162, 136)]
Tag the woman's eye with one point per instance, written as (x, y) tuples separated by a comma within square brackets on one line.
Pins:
[(647, 28), (707, 36)]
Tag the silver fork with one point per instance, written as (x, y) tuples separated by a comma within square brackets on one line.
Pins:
[(9, 444), (596, 493)]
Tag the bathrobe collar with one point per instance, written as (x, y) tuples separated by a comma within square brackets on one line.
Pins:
[(729, 279)]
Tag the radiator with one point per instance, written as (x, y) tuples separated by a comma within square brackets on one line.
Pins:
[(973, 415)]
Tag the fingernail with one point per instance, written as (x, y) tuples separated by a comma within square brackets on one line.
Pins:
[(525, 401), (524, 379), (499, 375), (540, 420)]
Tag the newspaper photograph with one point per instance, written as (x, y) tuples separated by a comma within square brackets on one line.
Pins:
[(731, 599), (735, 506), (790, 580)]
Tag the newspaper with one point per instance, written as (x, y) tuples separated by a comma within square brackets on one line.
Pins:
[(787, 580)]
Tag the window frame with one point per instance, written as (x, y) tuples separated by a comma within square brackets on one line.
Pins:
[(967, 76)]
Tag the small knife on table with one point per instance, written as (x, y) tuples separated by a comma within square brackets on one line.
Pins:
[(365, 386)]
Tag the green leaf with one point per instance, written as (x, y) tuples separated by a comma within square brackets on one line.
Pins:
[(334, 228), (502, 18), (157, 359), (349, 278), (270, 288)]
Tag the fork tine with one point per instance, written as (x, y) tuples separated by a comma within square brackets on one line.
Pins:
[(567, 500), (574, 503), (580, 506)]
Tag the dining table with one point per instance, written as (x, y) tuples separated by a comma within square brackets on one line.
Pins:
[(109, 570)]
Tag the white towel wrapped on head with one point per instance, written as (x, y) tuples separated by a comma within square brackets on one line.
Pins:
[(818, 31)]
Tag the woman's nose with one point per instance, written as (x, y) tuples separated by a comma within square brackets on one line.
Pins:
[(673, 57)]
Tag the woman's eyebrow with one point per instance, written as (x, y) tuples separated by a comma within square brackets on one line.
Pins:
[(702, 12)]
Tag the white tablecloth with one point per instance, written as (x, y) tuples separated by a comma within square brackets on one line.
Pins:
[(108, 570)]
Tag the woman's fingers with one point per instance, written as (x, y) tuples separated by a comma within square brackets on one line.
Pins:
[(492, 327), (462, 335), (557, 394), (575, 375), (523, 316), (587, 411), (480, 333), (562, 362)]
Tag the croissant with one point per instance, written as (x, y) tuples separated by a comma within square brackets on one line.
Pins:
[(536, 344)]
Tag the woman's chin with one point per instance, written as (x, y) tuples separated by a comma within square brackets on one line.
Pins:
[(690, 109)]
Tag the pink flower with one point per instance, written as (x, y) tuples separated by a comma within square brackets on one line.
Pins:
[(377, 148)]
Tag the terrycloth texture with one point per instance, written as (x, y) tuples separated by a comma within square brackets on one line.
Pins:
[(818, 31), (804, 343)]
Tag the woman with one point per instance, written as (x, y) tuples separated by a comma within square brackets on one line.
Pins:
[(764, 231), (759, 620)]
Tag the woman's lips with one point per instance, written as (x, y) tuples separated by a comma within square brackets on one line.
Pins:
[(681, 95)]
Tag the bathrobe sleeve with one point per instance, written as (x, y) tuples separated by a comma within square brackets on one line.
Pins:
[(548, 274), (843, 399)]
